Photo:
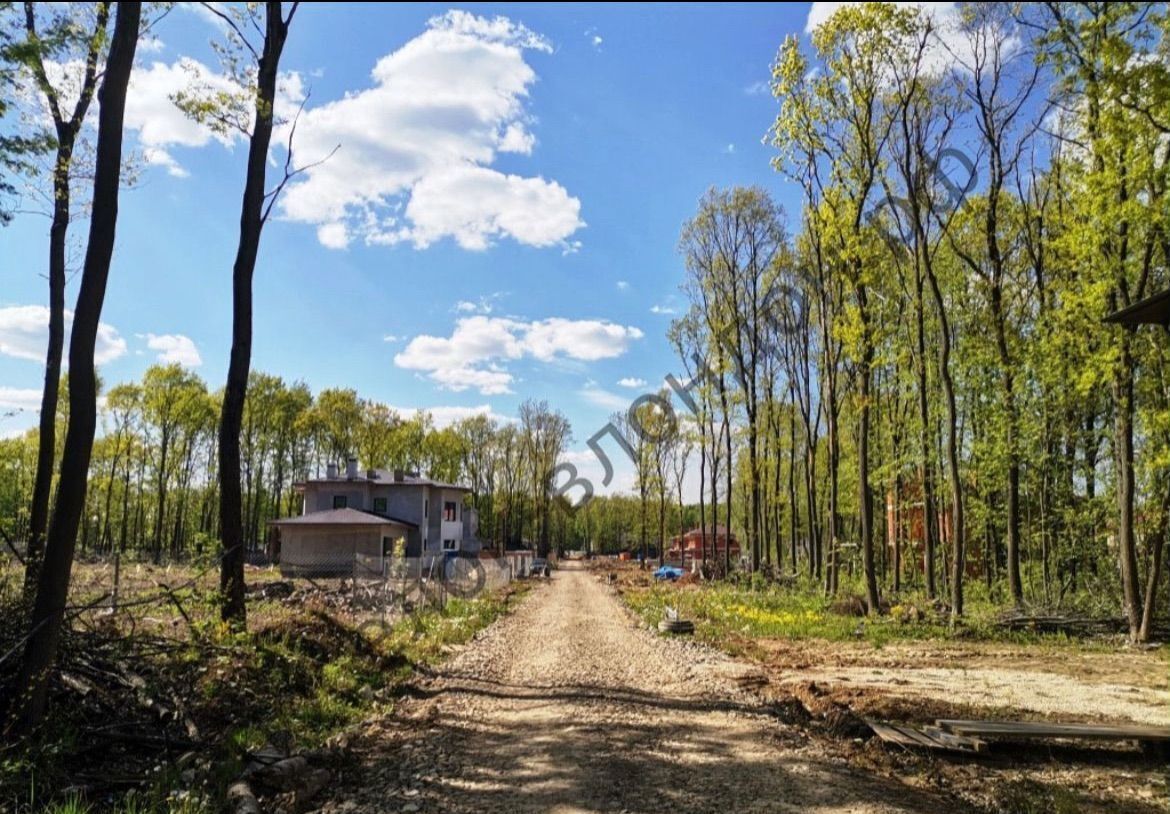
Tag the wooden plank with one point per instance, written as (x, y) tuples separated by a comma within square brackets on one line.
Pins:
[(960, 742), (918, 737), (1043, 729), (911, 738), (890, 734)]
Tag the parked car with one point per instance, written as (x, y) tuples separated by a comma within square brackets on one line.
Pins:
[(540, 568)]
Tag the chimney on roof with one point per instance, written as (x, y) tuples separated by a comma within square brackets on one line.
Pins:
[(351, 468), (398, 475), (331, 471)]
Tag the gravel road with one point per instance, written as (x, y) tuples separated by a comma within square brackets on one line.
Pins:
[(567, 705)]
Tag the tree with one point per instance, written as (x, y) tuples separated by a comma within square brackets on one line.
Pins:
[(171, 397), (255, 208), (67, 34), (733, 248), (48, 613), (1000, 106), (1096, 47), (544, 435)]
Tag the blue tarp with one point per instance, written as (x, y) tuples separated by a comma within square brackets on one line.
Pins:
[(668, 572)]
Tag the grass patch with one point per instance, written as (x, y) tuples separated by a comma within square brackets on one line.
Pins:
[(727, 613)]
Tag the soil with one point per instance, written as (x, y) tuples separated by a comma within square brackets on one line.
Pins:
[(569, 705)]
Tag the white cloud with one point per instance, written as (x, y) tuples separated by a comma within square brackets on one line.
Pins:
[(631, 382), (333, 235), (24, 334), (475, 353), (390, 338), (663, 310), (584, 339), (174, 348), (482, 305), (445, 416), (416, 148), (160, 124), (623, 285), (729, 149), (758, 88), (20, 398)]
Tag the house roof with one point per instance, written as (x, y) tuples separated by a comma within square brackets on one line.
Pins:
[(343, 517), (385, 477), (1153, 310)]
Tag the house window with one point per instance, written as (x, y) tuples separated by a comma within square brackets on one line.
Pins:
[(379, 505), (449, 511), (450, 545), (339, 501)]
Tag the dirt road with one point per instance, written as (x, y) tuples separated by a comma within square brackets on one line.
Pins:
[(567, 706)]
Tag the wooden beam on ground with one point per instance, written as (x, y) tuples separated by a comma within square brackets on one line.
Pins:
[(910, 738), (1043, 729)]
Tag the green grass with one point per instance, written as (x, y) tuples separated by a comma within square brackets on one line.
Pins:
[(724, 612)]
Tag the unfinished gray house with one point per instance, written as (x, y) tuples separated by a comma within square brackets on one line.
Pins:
[(358, 521)]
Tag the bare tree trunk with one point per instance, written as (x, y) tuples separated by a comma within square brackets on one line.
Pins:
[(929, 524), (32, 682), (866, 497), (66, 132), (252, 217), (1123, 434), (1155, 574), (958, 533)]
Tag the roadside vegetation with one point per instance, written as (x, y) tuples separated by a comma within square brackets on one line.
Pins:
[(161, 706), (749, 609)]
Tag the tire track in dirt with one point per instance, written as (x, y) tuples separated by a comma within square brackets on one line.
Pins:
[(568, 706)]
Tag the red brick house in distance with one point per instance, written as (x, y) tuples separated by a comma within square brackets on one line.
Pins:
[(689, 547)]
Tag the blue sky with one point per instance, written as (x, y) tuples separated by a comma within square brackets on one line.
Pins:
[(536, 169)]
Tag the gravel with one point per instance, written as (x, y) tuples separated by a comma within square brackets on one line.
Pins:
[(569, 705)]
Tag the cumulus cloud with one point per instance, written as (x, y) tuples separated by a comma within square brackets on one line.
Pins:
[(445, 416), (24, 334), (623, 285), (416, 148), (631, 382), (151, 112), (476, 352), (663, 310), (174, 348)]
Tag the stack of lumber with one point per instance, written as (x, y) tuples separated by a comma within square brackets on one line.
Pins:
[(953, 735)]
